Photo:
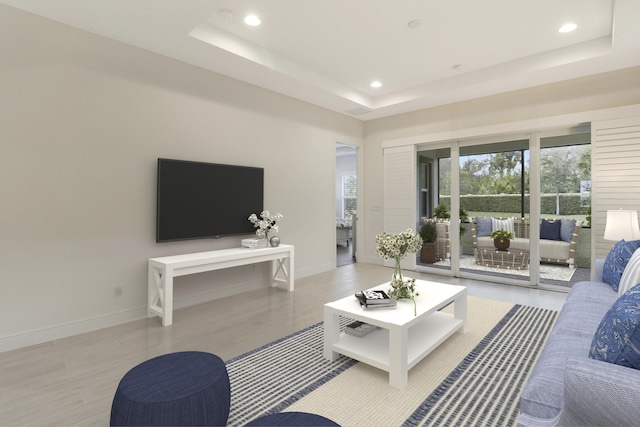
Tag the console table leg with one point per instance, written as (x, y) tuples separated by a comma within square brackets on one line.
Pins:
[(167, 290), (153, 290), (282, 267), (160, 294)]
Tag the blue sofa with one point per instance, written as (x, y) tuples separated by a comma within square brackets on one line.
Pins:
[(566, 387)]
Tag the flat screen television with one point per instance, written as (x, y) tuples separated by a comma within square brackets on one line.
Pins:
[(199, 200)]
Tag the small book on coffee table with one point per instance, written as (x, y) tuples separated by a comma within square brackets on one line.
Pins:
[(375, 297), (359, 329), (373, 303)]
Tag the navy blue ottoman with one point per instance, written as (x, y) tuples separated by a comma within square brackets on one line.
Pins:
[(178, 389), (292, 419)]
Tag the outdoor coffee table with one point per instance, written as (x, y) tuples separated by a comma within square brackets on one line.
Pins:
[(404, 339), (510, 260)]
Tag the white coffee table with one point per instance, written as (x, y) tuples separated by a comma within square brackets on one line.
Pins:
[(404, 339)]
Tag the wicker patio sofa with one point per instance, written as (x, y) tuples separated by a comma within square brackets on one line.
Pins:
[(551, 251)]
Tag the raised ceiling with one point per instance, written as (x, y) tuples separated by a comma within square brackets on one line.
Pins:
[(327, 52)]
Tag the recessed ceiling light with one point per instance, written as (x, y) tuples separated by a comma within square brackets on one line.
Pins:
[(252, 20), (568, 27), (376, 84)]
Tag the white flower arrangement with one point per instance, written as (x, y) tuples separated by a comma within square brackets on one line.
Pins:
[(396, 246), (266, 223)]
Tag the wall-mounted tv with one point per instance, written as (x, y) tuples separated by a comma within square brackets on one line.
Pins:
[(199, 200)]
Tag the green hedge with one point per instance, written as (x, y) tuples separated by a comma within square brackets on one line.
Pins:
[(570, 203)]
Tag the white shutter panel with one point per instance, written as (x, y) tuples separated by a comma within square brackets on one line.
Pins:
[(400, 193), (615, 174)]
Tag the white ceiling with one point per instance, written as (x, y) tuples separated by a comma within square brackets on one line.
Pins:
[(327, 52)]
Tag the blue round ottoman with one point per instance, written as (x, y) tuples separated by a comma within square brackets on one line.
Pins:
[(292, 419), (179, 389)]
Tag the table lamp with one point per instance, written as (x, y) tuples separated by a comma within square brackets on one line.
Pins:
[(622, 224)]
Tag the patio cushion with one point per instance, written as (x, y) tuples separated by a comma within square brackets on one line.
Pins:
[(549, 249), (566, 229), (483, 226), (550, 230), (504, 224), (554, 249)]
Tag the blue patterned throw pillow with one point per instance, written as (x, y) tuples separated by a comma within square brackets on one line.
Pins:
[(617, 260), (617, 339)]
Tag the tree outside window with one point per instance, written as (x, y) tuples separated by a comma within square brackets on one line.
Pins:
[(562, 170), (565, 181)]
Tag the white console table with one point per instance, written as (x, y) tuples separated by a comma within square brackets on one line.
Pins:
[(162, 270)]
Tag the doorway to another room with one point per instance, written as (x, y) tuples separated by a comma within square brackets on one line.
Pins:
[(346, 192)]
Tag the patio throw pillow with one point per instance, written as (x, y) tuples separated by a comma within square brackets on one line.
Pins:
[(502, 224), (616, 262), (483, 226), (550, 230), (617, 339), (566, 229), (631, 275)]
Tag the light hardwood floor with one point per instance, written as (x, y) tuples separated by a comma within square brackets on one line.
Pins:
[(72, 381)]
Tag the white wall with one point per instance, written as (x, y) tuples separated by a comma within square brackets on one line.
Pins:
[(560, 104), (84, 119)]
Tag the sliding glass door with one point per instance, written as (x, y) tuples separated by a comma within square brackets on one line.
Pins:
[(534, 189), (565, 209), (433, 192), (494, 184)]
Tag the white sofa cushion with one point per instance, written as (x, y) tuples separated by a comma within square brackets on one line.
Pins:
[(552, 249), (631, 275), (504, 224)]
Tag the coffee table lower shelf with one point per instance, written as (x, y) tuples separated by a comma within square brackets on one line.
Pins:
[(424, 337)]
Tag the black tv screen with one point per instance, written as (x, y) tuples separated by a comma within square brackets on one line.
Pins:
[(199, 200)]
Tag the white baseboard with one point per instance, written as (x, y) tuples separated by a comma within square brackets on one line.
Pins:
[(88, 325), (317, 269), (372, 260), (63, 331)]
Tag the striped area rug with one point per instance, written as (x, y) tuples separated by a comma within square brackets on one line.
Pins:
[(485, 387), (471, 379), (271, 378)]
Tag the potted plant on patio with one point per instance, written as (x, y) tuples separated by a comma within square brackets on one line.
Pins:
[(442, 212), (429, 235), (501, 239)]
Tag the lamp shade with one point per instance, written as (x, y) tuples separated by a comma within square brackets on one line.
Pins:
[(622, 224)]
